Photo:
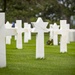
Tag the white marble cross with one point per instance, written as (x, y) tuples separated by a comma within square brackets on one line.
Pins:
[(19, 31), (8, 38), (3, 33), (40, 28), (55, 36), (27, 33)]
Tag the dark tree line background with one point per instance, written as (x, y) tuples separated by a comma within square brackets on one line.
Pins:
[(29, 10)]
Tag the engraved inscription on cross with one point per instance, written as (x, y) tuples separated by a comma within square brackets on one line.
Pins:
[(40, 28)]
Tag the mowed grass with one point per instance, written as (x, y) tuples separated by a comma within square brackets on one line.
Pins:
[(23, 61)]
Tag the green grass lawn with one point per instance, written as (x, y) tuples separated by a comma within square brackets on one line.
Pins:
[(23, 62)]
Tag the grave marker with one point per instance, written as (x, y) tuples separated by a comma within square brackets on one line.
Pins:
[(64, 34), (55, 37), (8, 38), (3, 33), (19, 30), (27, 33), (40, 28)]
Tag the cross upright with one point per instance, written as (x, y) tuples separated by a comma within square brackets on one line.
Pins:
[(40, 28)]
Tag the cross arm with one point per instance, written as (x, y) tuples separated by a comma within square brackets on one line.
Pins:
[(10, 32)]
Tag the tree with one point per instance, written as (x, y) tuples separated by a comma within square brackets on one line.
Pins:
[(26, 9)]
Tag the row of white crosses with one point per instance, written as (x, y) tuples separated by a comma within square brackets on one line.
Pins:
[(18, 37), (65, 33), (4, 32), (27, 33), (53, 31), (39, 28)]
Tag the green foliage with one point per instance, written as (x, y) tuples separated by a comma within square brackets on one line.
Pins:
[(33, 19), (28, 9)]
